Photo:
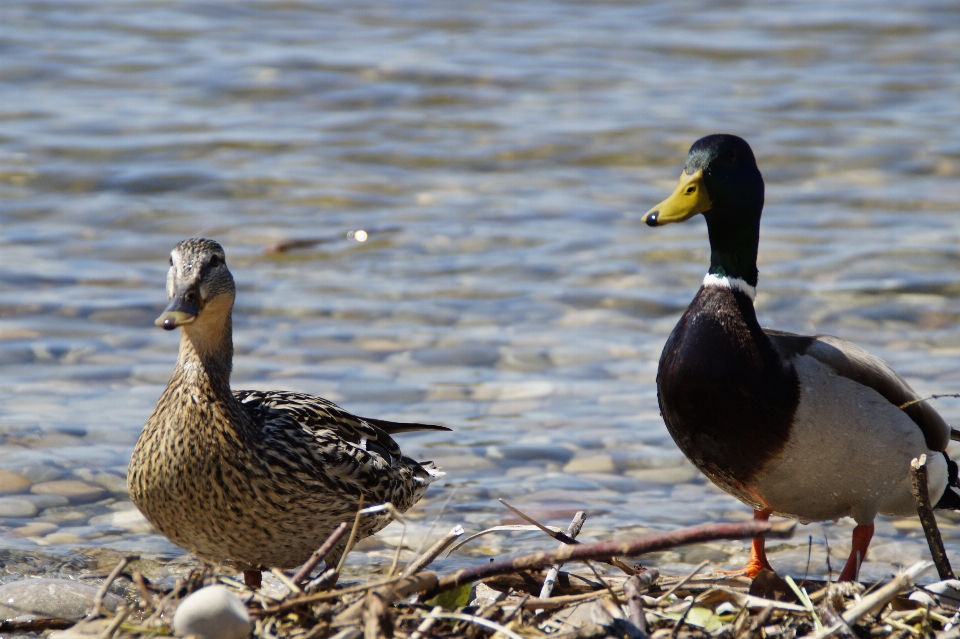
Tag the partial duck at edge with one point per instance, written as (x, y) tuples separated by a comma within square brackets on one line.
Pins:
[(809, 427)]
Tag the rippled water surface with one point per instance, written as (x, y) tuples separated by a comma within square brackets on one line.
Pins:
[(499, 155)]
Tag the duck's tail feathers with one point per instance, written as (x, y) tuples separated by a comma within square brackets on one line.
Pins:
[(950, 500), (392, 428), (433, 472)]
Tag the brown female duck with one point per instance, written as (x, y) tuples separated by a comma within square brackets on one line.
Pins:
[(254, 479)]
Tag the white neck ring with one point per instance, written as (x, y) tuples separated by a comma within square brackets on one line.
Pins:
[(731, 282)]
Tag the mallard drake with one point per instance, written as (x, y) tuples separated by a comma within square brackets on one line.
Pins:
[(809, 427), (255, 479)]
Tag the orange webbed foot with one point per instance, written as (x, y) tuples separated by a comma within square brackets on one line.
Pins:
[(858, 552), (758, 553)]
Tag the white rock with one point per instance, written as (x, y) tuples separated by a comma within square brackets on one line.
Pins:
[(947, 591), (212, 613), (923, 598)]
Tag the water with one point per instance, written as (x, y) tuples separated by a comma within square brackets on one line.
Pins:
[(499, 155)]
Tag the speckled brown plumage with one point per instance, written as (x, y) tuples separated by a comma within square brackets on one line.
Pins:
[(253, 479)]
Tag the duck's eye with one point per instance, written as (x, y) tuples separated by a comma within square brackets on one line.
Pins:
[(691, 189), (733, 157), (214, 261), (170, 259)]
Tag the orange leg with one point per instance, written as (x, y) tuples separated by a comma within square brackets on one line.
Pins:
[(253, 578), (758, 554), (861, 541)]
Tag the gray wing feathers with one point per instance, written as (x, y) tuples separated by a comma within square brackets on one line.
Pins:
[(854, 363)]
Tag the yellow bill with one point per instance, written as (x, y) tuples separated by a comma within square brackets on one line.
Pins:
[(689, 199)]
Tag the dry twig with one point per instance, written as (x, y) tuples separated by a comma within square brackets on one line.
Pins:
[(918, 476), (572, 531), (319, 554), (879, 597), (605, 550), (427, 558), (98, 599), (631, 592)]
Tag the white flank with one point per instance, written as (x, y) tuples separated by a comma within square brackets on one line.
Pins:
[(731, 282)]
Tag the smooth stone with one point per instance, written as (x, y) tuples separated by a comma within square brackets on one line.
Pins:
[(14, 507), (61, 516), (947, 591), (949, 587), (61, 537), (523, 360), (12, 483), (60, 598), (618, 483), (46, 501), (590, 464), (907, 524), (130, 520), (675, 475), (513, 407), (507, 392), (564, 481), (34, 529), (462, 462), (484, 594), (696, 554), (520, 472), (531, 453), (39, 473), (465, 355), (51, 440), (922, 598), (111, 482), (212, 613), (78, 492)]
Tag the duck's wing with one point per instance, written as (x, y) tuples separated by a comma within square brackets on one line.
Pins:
[(854, 363), (321, 417)]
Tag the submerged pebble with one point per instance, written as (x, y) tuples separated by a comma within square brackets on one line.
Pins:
[(463, 462), (39, 473), (113, 483), (16, 507), (532, 453), (212, 613), (675, 475), (12, 483), (129, 520), (61, 598), (78, 492), (34, 529), (61, 537), (46, 501), (598, 463), (64, 516)]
